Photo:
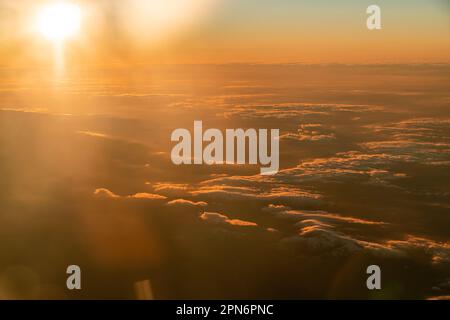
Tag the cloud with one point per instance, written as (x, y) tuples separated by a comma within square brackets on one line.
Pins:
[(321, 238), (94, 134), (326, 216), (324, 232), (327, 233), (136, 94), (295, 110), (439, 298), (423, 140), (172, 189), (439, 251), (281, 193), (218, 218), (183, 202), (342, 168), (148, 196), (143, 195), (276, 208), (254, 187), (317, 239), (102, 192), (310, 132)]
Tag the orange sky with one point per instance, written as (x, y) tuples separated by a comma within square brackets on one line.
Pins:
[(216, 31)]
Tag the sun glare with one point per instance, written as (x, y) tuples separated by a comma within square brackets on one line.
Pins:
[(59, 21)]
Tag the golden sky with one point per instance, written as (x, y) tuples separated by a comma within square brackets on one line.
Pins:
[(217, 31)]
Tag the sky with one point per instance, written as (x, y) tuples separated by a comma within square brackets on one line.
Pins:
[(216, 31)]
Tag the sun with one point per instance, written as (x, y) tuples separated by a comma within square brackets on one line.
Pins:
[(60, 21)]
